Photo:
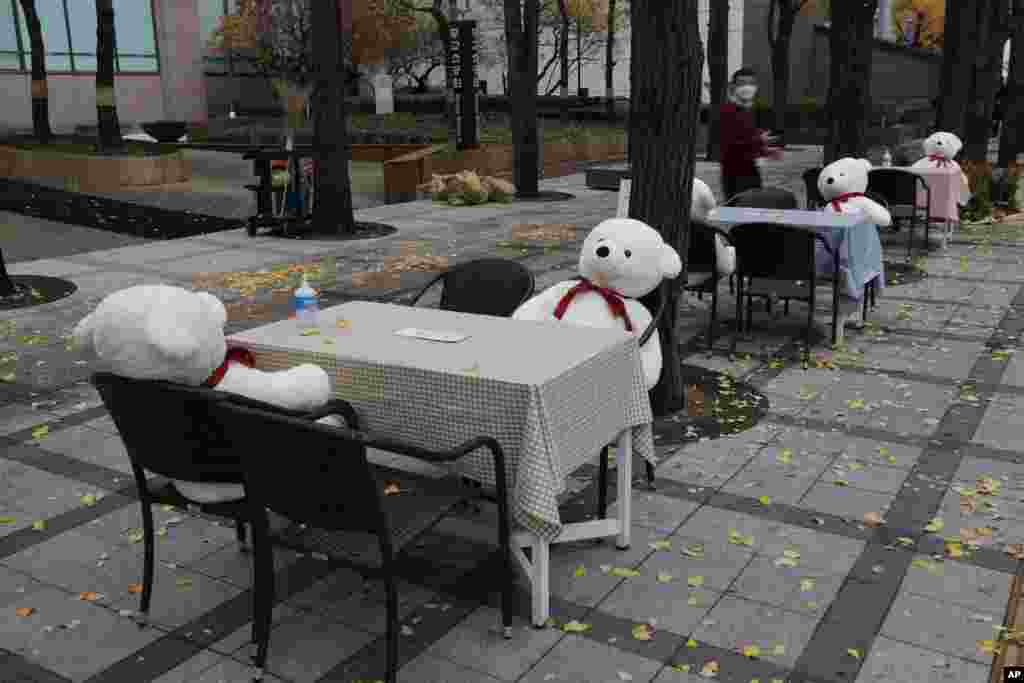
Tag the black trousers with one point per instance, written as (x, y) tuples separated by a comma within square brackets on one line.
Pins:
[(732, 185)]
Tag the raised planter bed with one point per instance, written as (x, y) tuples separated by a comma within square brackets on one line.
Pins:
[(92, 173), (402, 174)]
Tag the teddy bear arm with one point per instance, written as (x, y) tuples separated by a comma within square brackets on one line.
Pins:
[(303, 387), (542, 306)]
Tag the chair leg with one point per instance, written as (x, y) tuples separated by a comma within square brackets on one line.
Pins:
[(392, 631), (240, 534), (602, 484), (750, 312), (711, 321), (263, 593), (910, 240), (149, 552), (732, 283), (785, 307), (650, 475)]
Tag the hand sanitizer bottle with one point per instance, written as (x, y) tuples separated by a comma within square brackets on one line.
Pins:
[(307, 308)]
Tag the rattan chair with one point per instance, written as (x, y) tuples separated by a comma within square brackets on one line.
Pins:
[(354, 513), (168, 429), (487, 286), (779, 259), (814, 198), (900, 189), (765, 198)]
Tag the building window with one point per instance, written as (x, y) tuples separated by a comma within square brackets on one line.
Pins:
[(10, 52), (69, 34)]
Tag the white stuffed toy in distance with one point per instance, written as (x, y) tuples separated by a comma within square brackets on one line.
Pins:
[(702, 203), (843, 184), (621, 260), (157, 332), (940, 151)]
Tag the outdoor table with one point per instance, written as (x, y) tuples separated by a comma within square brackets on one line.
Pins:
[(948, 193), (551, 411), (849, 234), (261, 158)]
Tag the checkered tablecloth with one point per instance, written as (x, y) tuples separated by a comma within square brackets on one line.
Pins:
[(552, 395)]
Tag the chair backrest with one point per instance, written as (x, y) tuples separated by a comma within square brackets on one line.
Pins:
[(487, 286), (814, 198), (168, 428), (769, 250), (765, 198), (874, 196), (330, 486), (702, 254), (898, 186)]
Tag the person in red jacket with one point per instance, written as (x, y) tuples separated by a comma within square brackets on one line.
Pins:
[(741, 144)]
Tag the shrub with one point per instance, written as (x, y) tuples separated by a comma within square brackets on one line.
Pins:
[(979, 175)]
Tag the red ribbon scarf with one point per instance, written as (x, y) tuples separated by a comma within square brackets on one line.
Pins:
[(614, 299), (238, 355), (836, 201)]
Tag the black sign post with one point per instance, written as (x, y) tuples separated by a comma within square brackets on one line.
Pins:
[(461, 71)]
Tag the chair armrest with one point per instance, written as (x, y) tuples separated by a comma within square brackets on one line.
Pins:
[(336, 407), (423, 291)]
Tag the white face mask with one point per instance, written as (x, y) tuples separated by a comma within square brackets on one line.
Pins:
[(746, 92)]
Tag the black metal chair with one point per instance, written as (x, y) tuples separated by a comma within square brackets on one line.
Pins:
[(814, 198), (168, 429), (345, 501), (702, 274), (780, 259), (487, 286), (900, 189), (765, 198)]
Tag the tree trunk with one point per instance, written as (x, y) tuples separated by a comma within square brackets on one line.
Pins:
[(40, 94), (1011, 142), (563, 49), (443, 28), (958, 50), (851, 43), (521, 39), (106, 104), (992, 33), (666, 70), (609, 65), (333, 211), (718, 69), (780, 70)]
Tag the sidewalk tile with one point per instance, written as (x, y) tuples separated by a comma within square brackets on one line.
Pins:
[(890, 660), (736, 623), (580, 660), (941, 626)]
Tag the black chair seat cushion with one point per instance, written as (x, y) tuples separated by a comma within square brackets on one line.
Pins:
[(165, 493), (420, 503)]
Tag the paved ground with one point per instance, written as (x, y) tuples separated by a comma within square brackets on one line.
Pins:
[(754, 543)]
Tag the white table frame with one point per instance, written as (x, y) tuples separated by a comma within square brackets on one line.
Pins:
[(537, 569)]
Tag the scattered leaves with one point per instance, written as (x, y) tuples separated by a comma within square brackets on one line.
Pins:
[(665, 577), (751, 651), (623, 572), (89, 596), (1015, 550), (954, 549), (24, 611), (695, 550), (89, 499), (710, 669), (580, 572), (806, 585), (661, 545), (736, 538), (764, 500), (691, 643), (695, 581), (854, 652), (873, 519), (40, 432), (135, 588), (39, 525), (935, 526)]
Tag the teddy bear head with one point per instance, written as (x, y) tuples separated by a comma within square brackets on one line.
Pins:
[(843, 176), (628, 256), (942, 144), (156, 332)]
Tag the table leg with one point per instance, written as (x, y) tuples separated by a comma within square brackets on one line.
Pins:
[(625, 487), (541, 585), (263, 197)]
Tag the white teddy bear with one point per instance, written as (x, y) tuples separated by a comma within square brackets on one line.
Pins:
[(940, 149), (702, 203), (157, 332), (622, 259), (843, 183)]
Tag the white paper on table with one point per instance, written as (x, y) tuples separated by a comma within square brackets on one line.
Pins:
[(432, 335)]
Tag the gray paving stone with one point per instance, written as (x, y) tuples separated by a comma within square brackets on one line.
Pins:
[(476, 643), (590, 588), (864, 450), (238, 642), (15, 585), (709, 463), (426, 668), (844, 501), (15, 417), (717, 562), (736, 623), (88, 444), (365, 610), (676, 606), (961, 584), (782, 484), (180, 596), (798, 589), (870, 477), (191, 670), (656, 511), (305, 647), (891, 660), (235, 567), (818, 550), (941, 626), (97, 637), (580, 660)]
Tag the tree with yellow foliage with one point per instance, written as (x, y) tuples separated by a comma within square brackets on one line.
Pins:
[(925, 20)]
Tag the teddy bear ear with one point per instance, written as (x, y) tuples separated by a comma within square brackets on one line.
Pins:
[(215, 307), (83, 333), (670, 264), (866, 163)]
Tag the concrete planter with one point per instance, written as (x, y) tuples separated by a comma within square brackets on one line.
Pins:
[(85, 173)]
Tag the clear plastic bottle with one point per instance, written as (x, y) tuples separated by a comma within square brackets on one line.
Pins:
[(886, 157), (306, 305)]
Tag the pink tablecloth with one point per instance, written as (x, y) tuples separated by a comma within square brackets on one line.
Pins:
[(947, 189)]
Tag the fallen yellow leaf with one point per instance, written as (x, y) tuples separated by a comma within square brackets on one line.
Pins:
[(661, 545), (691, 643), (134, 587), (935, 525), (580, 571), (682, 668), (39, 525), (643, 632), (88, 499), (873, 519), (779, 650), (665, 577), (853, 652), (24, 611), (576, 627), (764, 500), (710, 669), (695, 581), (7, 519), (89, 596), (1015, 550), (954, 549), (751, 651), (312, 331), (623, 572), (40, 432), (736, 538), (392, 488), (806, 585)]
